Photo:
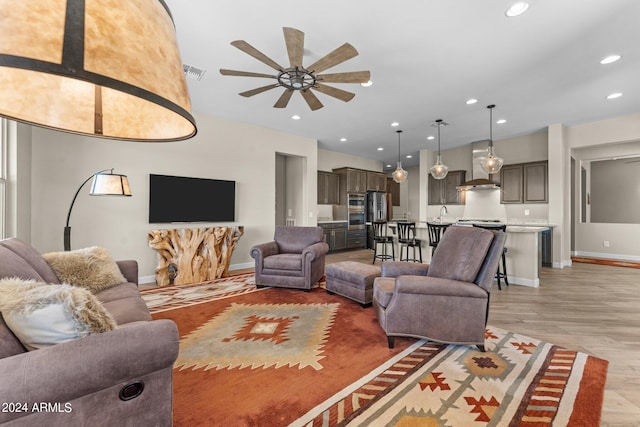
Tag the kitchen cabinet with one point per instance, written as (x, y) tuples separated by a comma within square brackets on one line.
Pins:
[(335, 234), (393, 188), (445, 191), (376, 181), (535, 182), (511, 184), (524, 183), (352, 180), (328, 188), (356, 239)]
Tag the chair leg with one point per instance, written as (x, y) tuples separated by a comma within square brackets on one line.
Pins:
[(393, 252), (504, 268), (390, 341), (481, 347), (375, 252)]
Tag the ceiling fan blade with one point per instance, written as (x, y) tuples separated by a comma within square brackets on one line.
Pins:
[(342, 95), (352, 77), (244, 74), (250, 50), (312, 100), (295, 46), (258, 90), (338, 56), (284, 99)]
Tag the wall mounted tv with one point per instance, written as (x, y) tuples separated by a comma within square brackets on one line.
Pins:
[(184, 199)]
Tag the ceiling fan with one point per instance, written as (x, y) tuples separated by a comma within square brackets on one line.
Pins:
[(298, 78)]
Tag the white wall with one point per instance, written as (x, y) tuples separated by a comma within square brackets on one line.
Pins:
[(600, 139), (222, 149)]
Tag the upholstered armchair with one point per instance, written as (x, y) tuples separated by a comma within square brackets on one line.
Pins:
[(446, 301), (294, 259)]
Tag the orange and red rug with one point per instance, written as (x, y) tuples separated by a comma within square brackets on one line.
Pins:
[(278, 357)]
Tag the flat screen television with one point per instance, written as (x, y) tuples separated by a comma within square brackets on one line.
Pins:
[(184, 199)]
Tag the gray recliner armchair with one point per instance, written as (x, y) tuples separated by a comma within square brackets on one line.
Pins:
[(446, 301), (294, 259)]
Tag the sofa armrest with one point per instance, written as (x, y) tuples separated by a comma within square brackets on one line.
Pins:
[(129, 269), (64, 372), (436, 286), (264, 250), (315, 251), (400, 268)]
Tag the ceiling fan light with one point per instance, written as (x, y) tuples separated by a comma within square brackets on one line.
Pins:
[(439, 170), (400, 175)]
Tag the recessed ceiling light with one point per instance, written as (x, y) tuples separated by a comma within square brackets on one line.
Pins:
[(409, 156), (343, 139), (430, 137), (394, 124), (609, 59), (614, 95), (380, 149), (471, 101), (501, 121), (367, 84), (517, 9), (388, 166), (295, 117)]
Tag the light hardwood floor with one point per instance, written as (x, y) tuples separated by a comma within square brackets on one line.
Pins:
[(589, 308)]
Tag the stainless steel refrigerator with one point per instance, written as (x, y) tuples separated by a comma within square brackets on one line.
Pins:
[(376, 206), (376, 211)]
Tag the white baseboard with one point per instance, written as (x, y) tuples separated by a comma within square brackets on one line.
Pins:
[(562, 264), (523, 282), (620, 257), (146, 279)]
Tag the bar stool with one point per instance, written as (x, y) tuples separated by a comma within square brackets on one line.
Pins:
[(380, 237), (407, 239), (435, 233), (499, 274)]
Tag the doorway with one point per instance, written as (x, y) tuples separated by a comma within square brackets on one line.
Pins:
[(290, 182)]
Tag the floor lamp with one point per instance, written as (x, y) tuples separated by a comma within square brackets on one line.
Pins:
[(104, 184)]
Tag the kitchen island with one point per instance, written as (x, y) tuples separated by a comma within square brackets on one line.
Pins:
[(523, 248)]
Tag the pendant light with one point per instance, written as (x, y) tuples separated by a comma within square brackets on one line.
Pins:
[(492, 163), (439, 170), (399, 175)]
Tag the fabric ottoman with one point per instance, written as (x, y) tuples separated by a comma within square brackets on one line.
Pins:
[(353, 280)]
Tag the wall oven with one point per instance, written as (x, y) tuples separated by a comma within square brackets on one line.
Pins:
[(356, 213)]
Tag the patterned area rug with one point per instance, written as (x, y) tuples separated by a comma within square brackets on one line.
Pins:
[(279, 357)]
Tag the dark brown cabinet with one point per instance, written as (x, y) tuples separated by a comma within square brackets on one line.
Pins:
[(524, 183), (445, 191), (511, 184), (352, 180), (393, 188), (376, 181), (356, 239), (328, 188), (335, 234)]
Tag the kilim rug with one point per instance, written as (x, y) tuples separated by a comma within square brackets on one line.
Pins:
[(278, 357)]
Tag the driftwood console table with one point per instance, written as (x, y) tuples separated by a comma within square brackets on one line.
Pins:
[(191, 255)]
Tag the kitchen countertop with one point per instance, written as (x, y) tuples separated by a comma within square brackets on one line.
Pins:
[(333, 221)]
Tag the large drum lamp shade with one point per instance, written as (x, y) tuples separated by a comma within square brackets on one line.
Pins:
[(105, 68)]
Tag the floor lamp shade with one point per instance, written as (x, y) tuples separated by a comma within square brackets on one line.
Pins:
[(105, 68), (105, 183)]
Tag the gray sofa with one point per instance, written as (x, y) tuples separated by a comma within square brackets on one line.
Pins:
[(80, 382), (446, 301), (294, 259)]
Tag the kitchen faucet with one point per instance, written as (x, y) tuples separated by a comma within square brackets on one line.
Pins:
[(443, 208)]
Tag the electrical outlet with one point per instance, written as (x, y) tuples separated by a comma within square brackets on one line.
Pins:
[(606, 244), (526, 212), (310, 214)]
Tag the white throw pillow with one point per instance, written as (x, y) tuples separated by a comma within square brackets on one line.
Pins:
[(42, 315)]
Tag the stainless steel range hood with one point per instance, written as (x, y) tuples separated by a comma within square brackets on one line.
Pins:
[(479, 178)]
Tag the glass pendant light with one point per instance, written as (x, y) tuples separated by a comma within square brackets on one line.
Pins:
[(439, 170), (492, 163), (399, 175)]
